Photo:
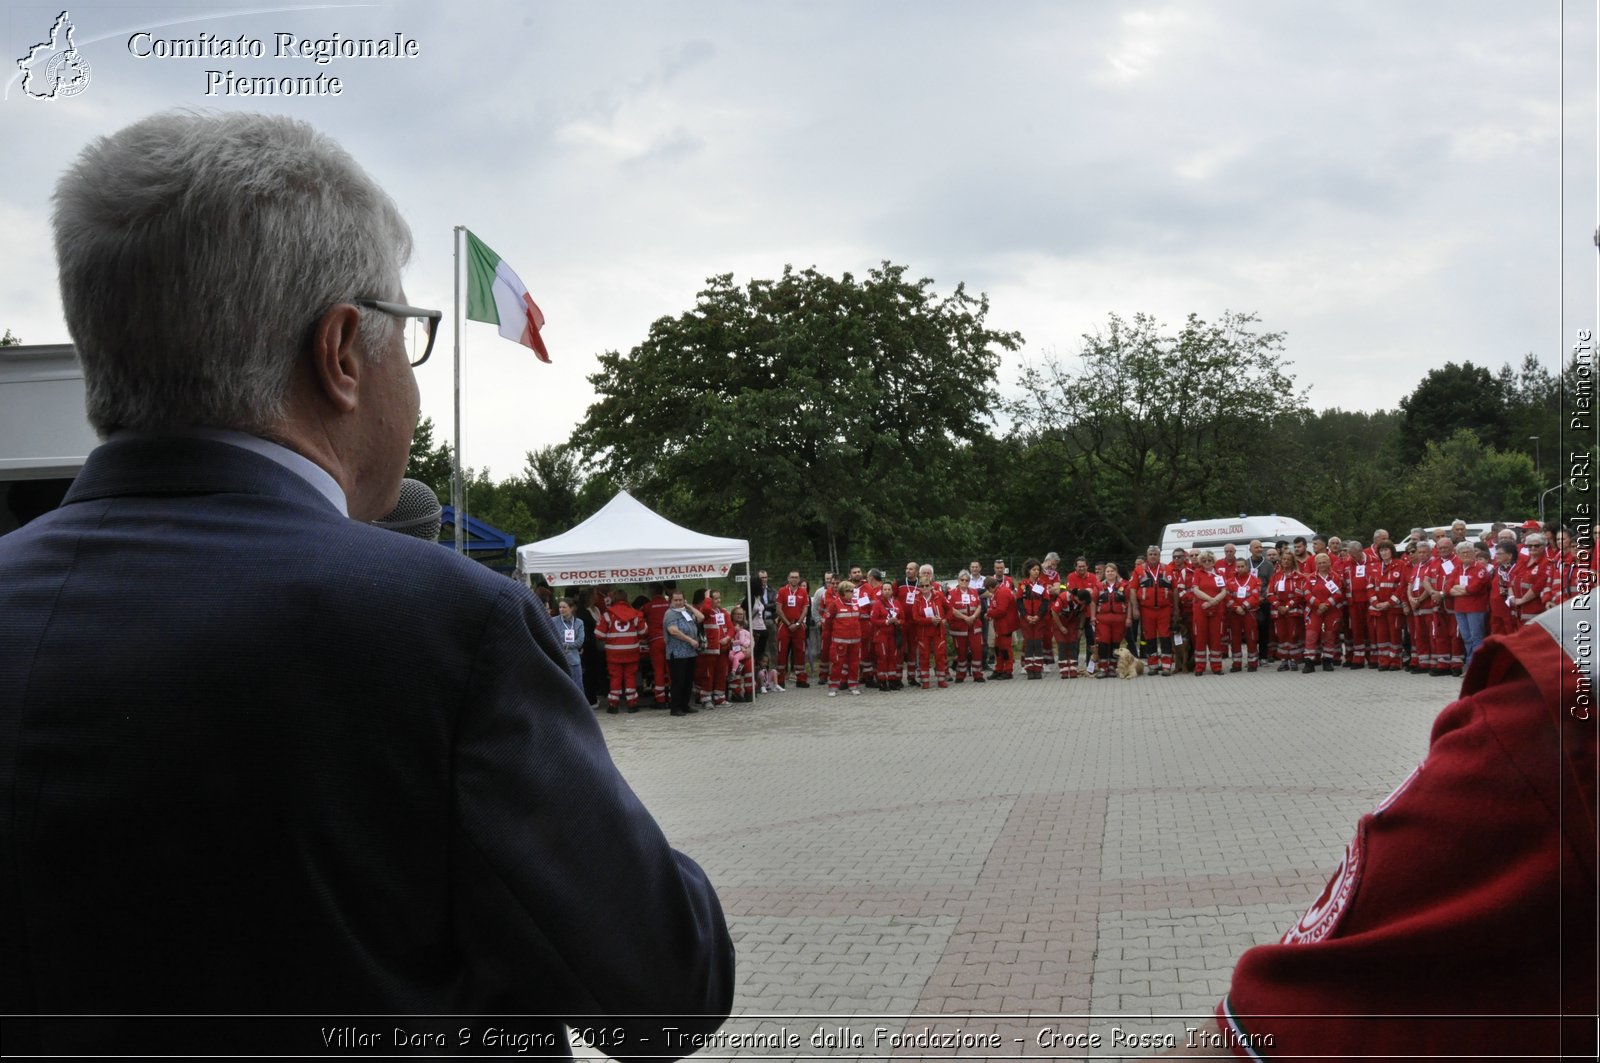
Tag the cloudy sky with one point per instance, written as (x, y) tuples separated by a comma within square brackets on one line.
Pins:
[(1383, 181)]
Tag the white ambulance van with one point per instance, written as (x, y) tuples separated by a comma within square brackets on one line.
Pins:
[(1218, 532)]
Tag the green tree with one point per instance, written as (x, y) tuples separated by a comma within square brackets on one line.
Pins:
[(1150, 426), (10, 340), (1463, 477), (1448, 399), (430, 462), (812, 414)]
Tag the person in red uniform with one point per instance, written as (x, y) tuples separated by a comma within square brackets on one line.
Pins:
[(655, 615), (1081, 579), (1460, 922), (1183, 574), (620, 631), (1286, 593), (711, 671), (1033, 615), (1111, 619), (819, 616), (864, 601), (1469, 590), (1502, 618), (1384, 611), (1067, 610), (1357, 574), (1244, 600), (1003, 615), (844, 615), (1530, 580), (886, 638), (1439, 572), (1304, 560), (1323, 598), (966, 630), (1422, 610), (928, 617), (794, 598), (906, 597), (1156, 593), (1207, 594)]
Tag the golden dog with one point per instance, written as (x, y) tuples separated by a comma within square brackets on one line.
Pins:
[(1128, 665)]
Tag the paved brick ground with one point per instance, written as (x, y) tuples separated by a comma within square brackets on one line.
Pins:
[(1083, 856)]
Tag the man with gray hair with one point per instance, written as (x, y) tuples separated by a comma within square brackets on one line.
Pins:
[(258, 755)]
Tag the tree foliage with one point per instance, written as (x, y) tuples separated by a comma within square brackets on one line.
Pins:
[(1464, 477), (1149, 424), (1451, 398), (818, 415)]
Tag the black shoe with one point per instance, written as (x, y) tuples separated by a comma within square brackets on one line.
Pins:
[(1359, 665), (1456, 672), (680, 712), (1310, 668), (690, 711), (611, 709), (802, 684), (1327, 664), (1284, 667), (1237, 667), (632, 709)]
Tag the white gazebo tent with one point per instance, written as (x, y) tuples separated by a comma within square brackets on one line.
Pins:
[(628, 542)]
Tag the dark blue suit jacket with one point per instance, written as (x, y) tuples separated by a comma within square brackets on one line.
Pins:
[(256, 757)]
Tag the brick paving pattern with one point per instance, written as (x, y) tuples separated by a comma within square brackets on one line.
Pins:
[(1081, 857)]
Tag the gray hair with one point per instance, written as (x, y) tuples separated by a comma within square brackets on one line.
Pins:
[(197, 252)]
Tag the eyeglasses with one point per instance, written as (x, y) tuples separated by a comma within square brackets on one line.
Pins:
[(420, 329)]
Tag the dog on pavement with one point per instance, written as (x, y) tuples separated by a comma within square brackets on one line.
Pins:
[(1128, 665)]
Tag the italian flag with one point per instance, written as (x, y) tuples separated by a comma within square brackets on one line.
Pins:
[(497, 295)]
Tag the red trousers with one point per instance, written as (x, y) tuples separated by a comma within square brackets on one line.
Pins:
[(886, 655), (1361, 640), (1322, 633), (1243, 634), (1384, 636), (969, 653), (1290, 632), (845, 664), (1002, 654), (658, 666), (1423, 654), (791, 652), (711, 677), (1205, 625), (928, 639), (624, 672)]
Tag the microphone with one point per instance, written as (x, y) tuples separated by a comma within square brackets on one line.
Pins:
[(417, 514)]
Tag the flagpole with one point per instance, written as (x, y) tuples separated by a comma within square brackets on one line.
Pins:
[(458, 490)]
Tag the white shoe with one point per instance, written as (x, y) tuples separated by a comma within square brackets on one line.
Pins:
[(856, 691), (780, 688), (833, 693)]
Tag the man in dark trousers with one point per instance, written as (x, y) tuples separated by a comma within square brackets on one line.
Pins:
[(256, 755)]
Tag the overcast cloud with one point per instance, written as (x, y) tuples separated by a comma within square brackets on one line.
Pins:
[(1381, 181)]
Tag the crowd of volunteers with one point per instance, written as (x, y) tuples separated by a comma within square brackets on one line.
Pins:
[(1423, 607)]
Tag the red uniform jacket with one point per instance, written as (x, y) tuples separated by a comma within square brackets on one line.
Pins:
[(1112, 601), (793, 603), (1359, 578), (619, 631), (1210, 584), (1287, 593), (1003, 609), (716, 625), (964, 602), (1478, 582), (1323, 591), (1529, 575), (1066, 609), (655, 618), (1245, 594), (1387, 583), (1155, 588), (926, 609), (845, 617)]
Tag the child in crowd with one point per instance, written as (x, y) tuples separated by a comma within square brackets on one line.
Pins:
[(768, 677)]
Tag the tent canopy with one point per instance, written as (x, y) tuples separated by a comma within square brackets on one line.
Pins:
[(628, 542)]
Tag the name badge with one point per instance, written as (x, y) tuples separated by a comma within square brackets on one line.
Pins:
[(1463, 578), (1361, 570), (927, 611), (1242, 592), (1448, 566), (1038, 588), (572, 636), (793, 601)]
